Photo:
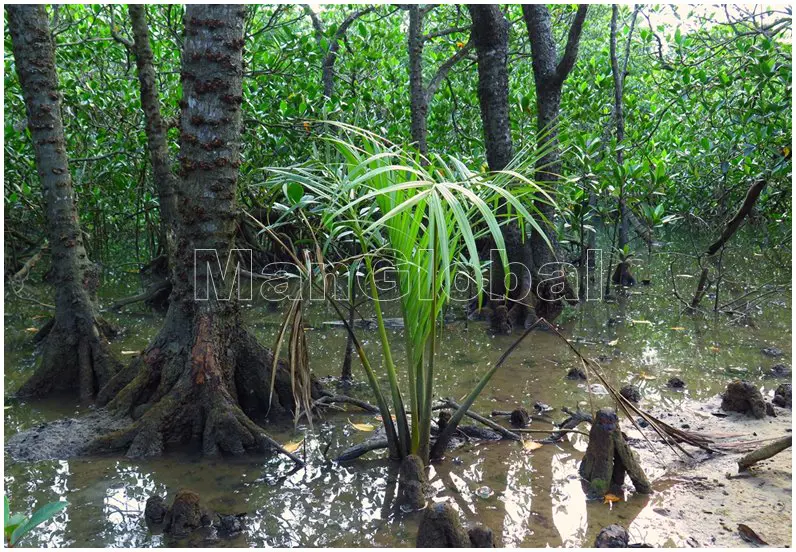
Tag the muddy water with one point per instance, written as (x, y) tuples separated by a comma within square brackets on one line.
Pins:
[(527, 498)]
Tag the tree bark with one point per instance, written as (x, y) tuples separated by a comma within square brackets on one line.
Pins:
[(549, 76), (619, 120), (203, 377), (418, 106), (420, 93), (491, 38), (619, 73), (75, 355), (155, 129)]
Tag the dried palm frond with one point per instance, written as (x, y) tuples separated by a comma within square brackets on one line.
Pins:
[(672, 436), (298, 361)]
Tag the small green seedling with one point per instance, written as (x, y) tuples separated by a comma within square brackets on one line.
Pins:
[(17, 526)]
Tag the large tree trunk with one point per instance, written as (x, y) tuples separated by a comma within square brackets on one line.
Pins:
[(491, 38), (490, 35), (203, 377), (75, 354), (549, 76)]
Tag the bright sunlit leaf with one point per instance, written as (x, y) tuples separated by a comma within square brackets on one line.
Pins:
[(293, 446), (362, 427), (531, 445)]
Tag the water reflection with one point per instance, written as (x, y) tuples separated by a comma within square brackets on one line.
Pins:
[(537, 498)]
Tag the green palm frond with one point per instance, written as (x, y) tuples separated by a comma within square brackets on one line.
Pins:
[(427, 220)]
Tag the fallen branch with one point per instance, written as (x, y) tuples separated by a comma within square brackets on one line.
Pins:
[(486, 421), (763, 453), (352, 453), (145, 295), (569, 425), (327, 399), (533, 417), (554, 431)]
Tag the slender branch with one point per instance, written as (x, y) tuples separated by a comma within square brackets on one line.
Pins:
[(446, 32), (573, 41), (629, 41), (445, 68), (316, 21), (116, 36)]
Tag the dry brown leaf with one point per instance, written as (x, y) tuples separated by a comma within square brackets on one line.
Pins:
[(362, 427), (293, 446)]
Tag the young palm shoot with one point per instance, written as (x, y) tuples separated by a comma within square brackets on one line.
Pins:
[(425, 219)]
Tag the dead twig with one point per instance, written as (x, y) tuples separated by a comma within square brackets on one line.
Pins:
[(765, 452), (449, 403)]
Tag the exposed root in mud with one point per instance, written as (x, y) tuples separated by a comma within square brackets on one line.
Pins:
[(73, 357), (199, 385), (201, 389)]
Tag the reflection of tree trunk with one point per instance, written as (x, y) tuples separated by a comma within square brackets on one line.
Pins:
[(203, 376), (346, 375), (75, 355)]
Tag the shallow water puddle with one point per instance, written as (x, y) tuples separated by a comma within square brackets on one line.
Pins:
[(528, 498)]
